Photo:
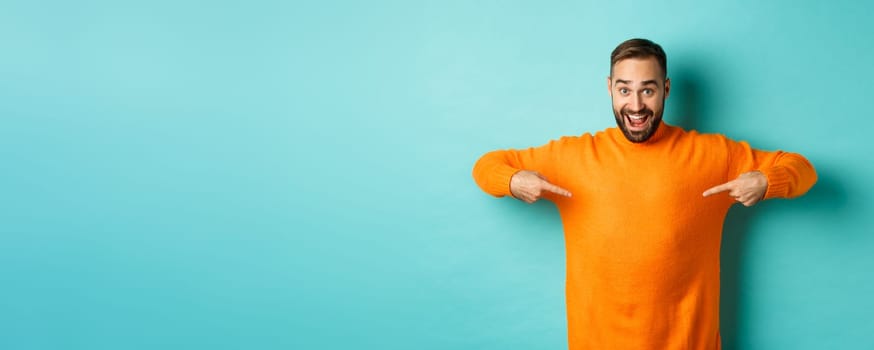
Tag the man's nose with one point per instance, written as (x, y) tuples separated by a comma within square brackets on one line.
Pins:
[(636, 102)]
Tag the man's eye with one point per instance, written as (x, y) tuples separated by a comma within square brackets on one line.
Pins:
[(623, 91), (647, 92)]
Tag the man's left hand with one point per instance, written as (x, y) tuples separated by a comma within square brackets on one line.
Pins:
[(749, 188)]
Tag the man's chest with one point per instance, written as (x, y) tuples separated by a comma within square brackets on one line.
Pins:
[(660, 182)]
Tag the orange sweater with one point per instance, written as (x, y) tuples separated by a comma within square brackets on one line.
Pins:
[(642, 243)]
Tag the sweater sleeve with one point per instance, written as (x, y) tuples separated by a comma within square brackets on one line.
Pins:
[(492, 172), (789, 174)]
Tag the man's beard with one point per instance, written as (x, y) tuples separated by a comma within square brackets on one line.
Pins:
[(654, 120)]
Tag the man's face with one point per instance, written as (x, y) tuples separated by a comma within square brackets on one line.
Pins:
[(638, 91)]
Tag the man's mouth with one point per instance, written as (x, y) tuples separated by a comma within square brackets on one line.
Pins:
[(637, 122)]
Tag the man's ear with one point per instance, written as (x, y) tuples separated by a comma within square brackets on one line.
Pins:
[(667, 87), (610, 86)]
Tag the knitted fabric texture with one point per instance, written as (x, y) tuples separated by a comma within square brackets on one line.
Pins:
[(642, 243)]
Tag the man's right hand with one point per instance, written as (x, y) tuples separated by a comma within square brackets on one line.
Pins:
[(528, 186)]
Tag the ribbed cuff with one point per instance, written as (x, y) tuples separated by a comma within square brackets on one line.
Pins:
[(500, 184), (778, 182)]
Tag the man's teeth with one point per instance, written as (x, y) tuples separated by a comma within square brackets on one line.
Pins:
[(636, 117)]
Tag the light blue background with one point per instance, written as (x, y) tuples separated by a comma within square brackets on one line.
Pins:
[(296, 175)]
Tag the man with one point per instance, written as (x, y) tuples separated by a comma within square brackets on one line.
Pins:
[(642, 207)]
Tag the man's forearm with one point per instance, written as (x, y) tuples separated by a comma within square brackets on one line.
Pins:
[(492, 172), (790, 176)]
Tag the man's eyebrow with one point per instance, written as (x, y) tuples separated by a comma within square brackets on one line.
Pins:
[(645, 82), (620, 81)]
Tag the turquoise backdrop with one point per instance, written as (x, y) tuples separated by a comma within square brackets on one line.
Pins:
[(296, 175)]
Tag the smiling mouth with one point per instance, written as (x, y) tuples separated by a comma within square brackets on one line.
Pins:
[(637, 121)]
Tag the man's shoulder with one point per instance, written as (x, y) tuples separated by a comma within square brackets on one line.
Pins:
[(585, 137), (696, 136)]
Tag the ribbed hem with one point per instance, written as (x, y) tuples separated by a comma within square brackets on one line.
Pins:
[(500, 181), (778, 182)]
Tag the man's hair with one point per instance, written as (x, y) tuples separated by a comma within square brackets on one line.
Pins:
[(639, 48)]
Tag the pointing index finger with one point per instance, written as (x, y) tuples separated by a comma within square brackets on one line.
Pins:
[(719, 188), (557, 190)]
